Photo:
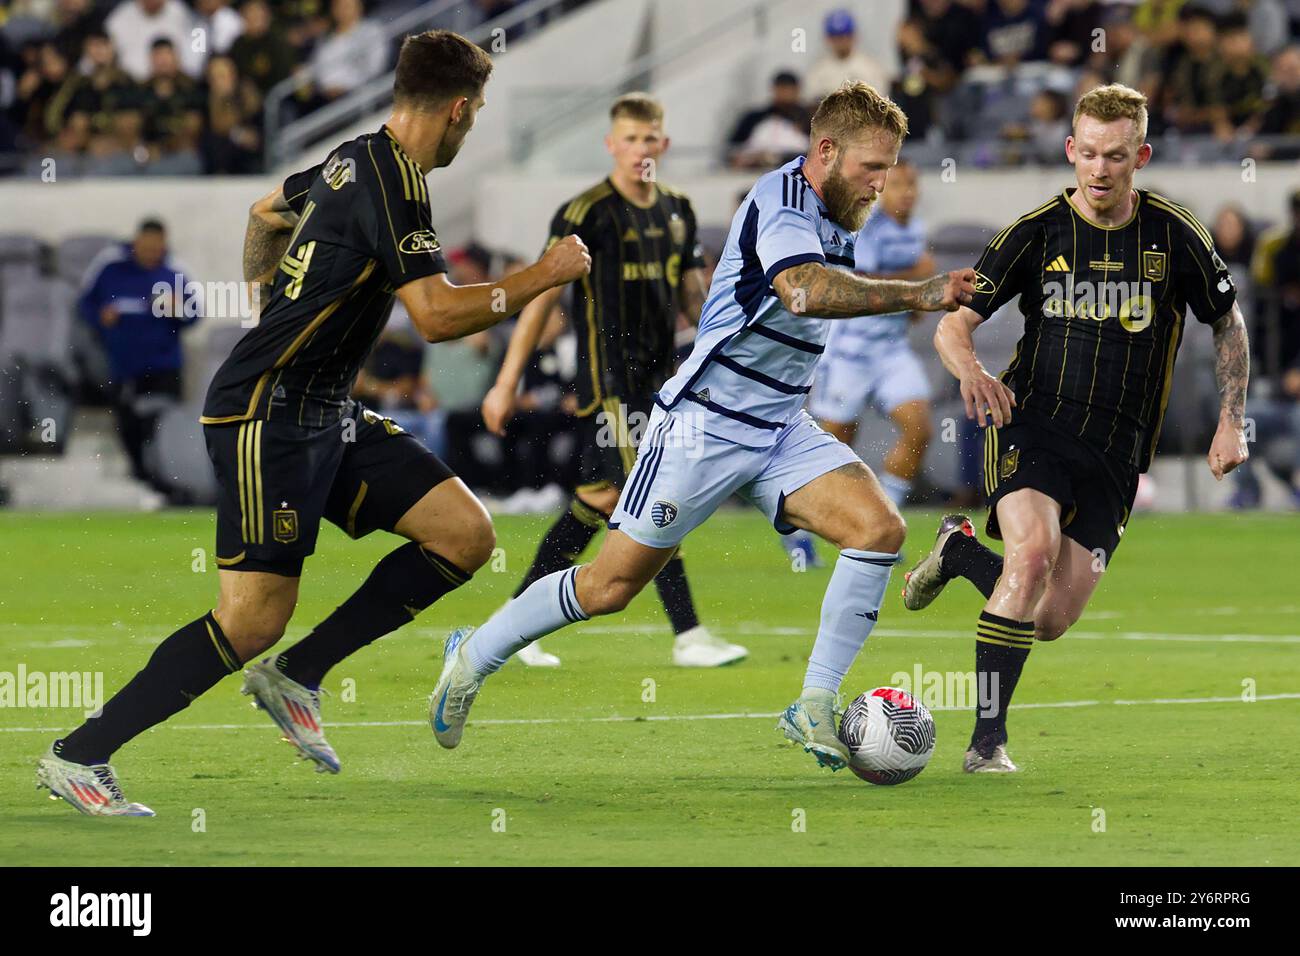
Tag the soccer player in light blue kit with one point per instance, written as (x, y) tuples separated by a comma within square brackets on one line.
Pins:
[(732, 421), (868, 360)]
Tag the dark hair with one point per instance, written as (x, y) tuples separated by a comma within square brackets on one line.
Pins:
[(436, 66), (785, 78), (151, 225), (161, 42)]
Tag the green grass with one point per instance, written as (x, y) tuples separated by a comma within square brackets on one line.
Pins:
[(1183, 783)]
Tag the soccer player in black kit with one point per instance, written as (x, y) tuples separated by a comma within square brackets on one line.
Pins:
[(646, 264), (1105, 274), (289, 446)]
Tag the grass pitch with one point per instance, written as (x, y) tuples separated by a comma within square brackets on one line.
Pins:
[(1135, 744)]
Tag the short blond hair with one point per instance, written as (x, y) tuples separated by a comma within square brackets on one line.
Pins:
[(1113, 102), (847, 114), (637, 106)]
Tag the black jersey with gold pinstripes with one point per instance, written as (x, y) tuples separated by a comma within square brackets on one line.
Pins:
[(625, 311), (364, 230), (1104, 310)]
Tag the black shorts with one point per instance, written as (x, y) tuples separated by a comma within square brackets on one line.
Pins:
[(277, 480), (1095, 494), (608, 438)]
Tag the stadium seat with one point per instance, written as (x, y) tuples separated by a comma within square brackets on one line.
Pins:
[(18, 247), (75, 253), (178, 454), (34, 350)]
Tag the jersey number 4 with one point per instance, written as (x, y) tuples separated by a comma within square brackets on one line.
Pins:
[(296, 266)]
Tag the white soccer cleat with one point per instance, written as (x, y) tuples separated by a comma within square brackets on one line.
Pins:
[(91, 788), (810, 722), (699, 648), (533, 656), (982, 758), (295, 710), (455, 691)]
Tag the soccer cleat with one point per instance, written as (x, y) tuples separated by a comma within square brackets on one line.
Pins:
[(810, 721), (533, 656), (455, 691), (923, 583), (91, 788), (295, 710), (988, 756), (699, 648)]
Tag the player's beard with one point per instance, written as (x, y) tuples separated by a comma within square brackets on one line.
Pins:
[(842, 200), (452, 140)]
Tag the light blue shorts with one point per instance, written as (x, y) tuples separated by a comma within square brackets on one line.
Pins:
[(846, 386), (682, 474)]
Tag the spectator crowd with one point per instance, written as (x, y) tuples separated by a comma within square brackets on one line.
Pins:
[(998, 78)]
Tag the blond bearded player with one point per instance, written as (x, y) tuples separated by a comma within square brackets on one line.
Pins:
[(732, 421), (1105, 274)]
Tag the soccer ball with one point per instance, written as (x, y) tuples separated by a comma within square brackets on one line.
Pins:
[(890, 736)]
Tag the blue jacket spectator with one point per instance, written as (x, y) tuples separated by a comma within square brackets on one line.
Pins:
[(118, 301)]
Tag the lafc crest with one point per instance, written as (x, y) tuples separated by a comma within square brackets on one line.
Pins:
[(1154, 265), (284, 525), (677, 229), (1008, 464)]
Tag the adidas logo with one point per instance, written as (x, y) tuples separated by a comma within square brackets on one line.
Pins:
[(630, 235), (1058, 265)]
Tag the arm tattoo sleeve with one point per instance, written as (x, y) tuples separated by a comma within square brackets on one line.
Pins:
[(813, 289), (266, 238), (1232, 364)]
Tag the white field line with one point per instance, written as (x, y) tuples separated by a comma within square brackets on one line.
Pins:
[(664, 718)]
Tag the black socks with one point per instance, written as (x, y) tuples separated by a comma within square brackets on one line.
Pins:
[(564, 542), (181, 668), (1001, 648), (402, 585), (965, 557)]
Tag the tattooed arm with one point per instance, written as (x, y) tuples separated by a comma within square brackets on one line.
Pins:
[(270, 221), (1232, 372), (815, 289)]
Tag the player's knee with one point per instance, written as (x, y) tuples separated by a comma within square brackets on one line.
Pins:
[(877, 529), (251, 634), (470, 547), (1029, 562)]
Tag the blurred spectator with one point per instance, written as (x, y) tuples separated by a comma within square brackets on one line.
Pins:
[(1238, 80), (1071, 28), (842, 62), (173, 109), (134, 25), (232, 139), (221, 24), (1042, 138), (140, 331), (1276, 270), (105, 108), (353, 52), (76, 20), (261, 52), (923, 78), (952, 33), (44, 84), (1273, 408), (1189, 96), (1282, 114), (393, 383), (772, 134), (1234, 239), (1127, 56), (1015, 32)]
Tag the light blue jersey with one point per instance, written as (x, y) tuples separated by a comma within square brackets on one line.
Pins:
[(883, 246), (753, 360)]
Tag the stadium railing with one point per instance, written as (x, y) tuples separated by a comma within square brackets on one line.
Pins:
[(283, 142)]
